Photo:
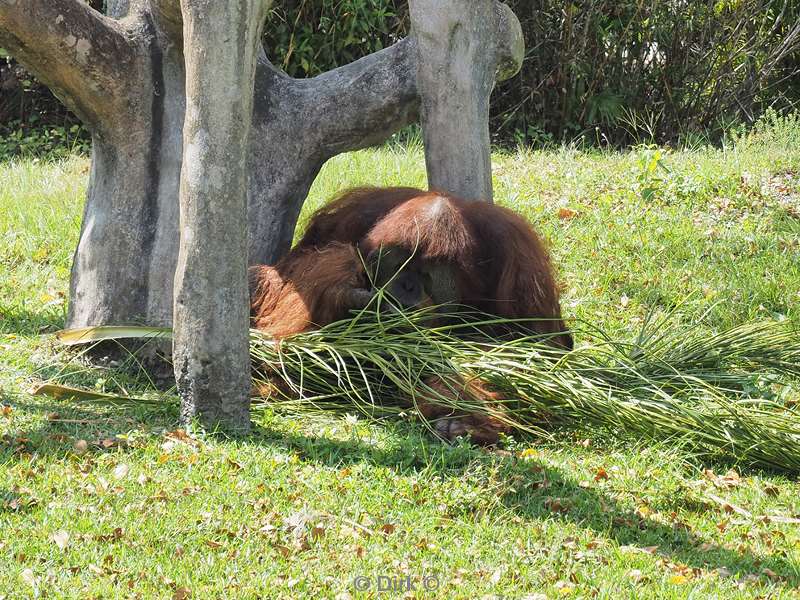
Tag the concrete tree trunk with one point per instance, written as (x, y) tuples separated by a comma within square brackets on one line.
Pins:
[(211, 315), (459, 56)]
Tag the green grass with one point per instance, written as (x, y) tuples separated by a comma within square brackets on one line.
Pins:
[(106, 502)]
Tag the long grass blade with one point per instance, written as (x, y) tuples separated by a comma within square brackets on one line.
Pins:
[(71, 337)]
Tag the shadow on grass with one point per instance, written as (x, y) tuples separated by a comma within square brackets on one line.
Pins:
[(545, 492), (22, 321), (102, 426), (548, 494)]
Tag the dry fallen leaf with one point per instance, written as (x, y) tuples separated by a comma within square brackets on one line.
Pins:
[(61, 539), (28, 577), (114, 536), (160, 495), (731, 479), (180, 435), (81, 446), (182, 593), (707, 547), (556, 505), (121, 471), (600, 474), (771, 490), (297, 521), (645, 550), (387, 528), (567, 213), (728, 507), (635, 575)]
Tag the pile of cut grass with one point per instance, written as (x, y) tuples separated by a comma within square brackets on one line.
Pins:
[(732, 395)]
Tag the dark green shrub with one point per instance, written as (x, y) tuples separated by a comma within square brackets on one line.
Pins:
[(309, 37), (596, 71), (609, 71), (32, 121), (46, 141)]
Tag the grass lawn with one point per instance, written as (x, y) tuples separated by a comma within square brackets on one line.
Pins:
[(117, 502)]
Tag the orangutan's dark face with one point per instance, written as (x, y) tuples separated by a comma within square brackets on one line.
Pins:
[(410, 281)]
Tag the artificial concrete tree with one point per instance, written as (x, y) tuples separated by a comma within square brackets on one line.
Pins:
[(125, 73)]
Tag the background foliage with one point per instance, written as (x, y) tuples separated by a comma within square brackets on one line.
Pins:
[(602, 72), (32, 120), (648, 70), (599, 71)]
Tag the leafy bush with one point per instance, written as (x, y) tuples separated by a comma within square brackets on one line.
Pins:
[(773, 130), (52, 142), (615, 72), (32, 120), (603, 72), (309, 37), (598, 71)]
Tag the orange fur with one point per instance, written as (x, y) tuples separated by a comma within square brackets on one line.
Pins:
[(498, 263), (308, 288), (483, 428)]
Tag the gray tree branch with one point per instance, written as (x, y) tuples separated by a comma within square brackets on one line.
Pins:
[(298, 124), (361, 104), (77, 52)]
